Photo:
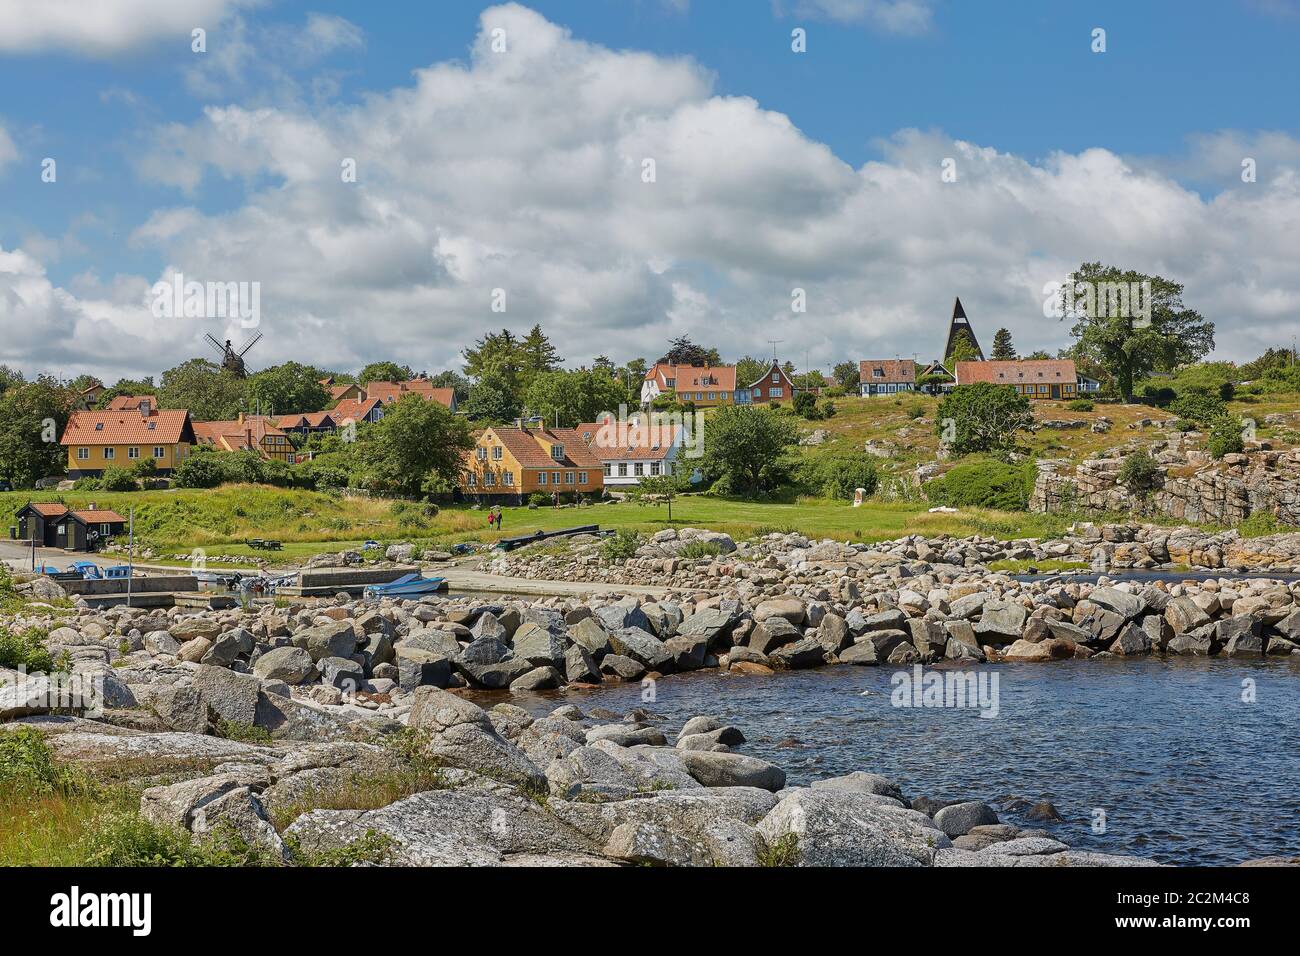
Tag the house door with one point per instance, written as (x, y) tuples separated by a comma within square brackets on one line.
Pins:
[(51, 534), (1056, 391)]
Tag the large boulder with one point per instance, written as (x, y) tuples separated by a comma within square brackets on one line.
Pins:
[(960, 818), (590, 636), (641, 646), (836, 828), (229, 695), (293, 665), (606, 770), (461, 735), (718, 769), (538, 645), (336, 639)]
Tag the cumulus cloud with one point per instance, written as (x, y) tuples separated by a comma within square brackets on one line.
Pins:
[(105, 27), (892, 16), (526, 171), (8, 151)]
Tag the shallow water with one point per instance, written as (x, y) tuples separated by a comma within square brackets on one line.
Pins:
[(1185, 771)]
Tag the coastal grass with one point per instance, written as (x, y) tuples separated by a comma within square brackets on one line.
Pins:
[(1028, 565)]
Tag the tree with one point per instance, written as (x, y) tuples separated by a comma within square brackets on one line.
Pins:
[(208, 391), (9, 378), (603, 363), (1272, 360), (982, 417), (744, 447), (963, 350), (682, 351), (457, 383), (1038, 356), (539, 355), (417, 445), (1125, 343), (1003, 350), (839, 473), (384, 372), (118, 479), (805, 406), (749, 370), (32, 419), (567, 398), (490, 402), (286, 389), (635, 371), (663, 489), (847, 375)]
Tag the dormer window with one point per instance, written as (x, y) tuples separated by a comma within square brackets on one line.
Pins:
[(557, 452)]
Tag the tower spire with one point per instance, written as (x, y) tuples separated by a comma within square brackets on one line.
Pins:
[(960, 325)]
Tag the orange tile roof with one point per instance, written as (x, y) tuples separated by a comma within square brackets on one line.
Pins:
[(632, 442), (47, 509), (337, 391), (1018, 372), (97, 516), (119, 403), (354, 408), (115, 427), (524, 447), (896, 370), (388, 392), (694, 378), (307, 420)]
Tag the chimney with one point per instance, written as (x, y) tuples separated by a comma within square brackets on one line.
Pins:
[(145, 407), (241, 418), (90, 507)]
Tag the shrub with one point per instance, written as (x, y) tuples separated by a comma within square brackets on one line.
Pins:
[(700, 549), (1139, 471), (118, 479), (1080, 405), (1199, 407), (838, 474), (985, 417), (1225, 437), (805, 405), (200, 470), (621, 545), (1258, 524), (540, 498), (916, 411), (26, 760), (984, 484), (25, 651)]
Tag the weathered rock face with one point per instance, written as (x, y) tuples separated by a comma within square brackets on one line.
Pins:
[(1192, 488), (838, 828), (461, 735)]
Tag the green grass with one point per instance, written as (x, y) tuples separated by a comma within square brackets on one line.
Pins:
[(1022, 566)]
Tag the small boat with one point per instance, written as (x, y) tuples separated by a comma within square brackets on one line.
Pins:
[(88, 570), (118, 571), (409, 585)]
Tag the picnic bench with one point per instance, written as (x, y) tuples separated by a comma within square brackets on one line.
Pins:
[(262, 544)]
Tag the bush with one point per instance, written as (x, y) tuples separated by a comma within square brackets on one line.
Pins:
[(621, 545), (700, 549), (26, 761), (1080, 405), (1258, 524), (984, 484), (985, 417), (200, 470), (805, 405), (540, 498), (118, 479), (25, 651), (1199, 407), (1139, 471), (1225, 437), (838, 474)]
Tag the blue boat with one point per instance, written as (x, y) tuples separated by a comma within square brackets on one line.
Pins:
[(89, 570), (118, 571)]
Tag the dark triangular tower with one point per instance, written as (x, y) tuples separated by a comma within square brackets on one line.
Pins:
[(961, 326)]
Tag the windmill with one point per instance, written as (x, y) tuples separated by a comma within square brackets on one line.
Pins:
[(232, 361)]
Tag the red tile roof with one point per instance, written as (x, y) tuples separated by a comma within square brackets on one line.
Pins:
[(121, 403), (160, 427), (388, 392), (525, 448), (47, 509), (694, 378), (1018, 372), (96, 516), (236, 436), (895, 370), (307, 420), (355, 409), (337, 391), (629, 442)]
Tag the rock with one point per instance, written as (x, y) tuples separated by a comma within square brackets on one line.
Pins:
[(1192, 644), (1183, 615), (861, 782), (833, 633), (229, 695), (421, 668), (178, 706), (225, 650), (539, 678), (627, 735), (342, 673), (641, 646), (834, 828), (197, 650), (801, 654), (1000, 623), (462, 735), (328, 640), (708, 624), (537, 645), (1133, 641), (959, 818), (590, 636), (161, 642), (605, 770), (647, 843), (624, 668), (622, 616), (688, 651), (293, 665), (1043, 810), (714, 769), (789, 609), (38, 694), (187, 628), (1026, 651), (580, 667), (1127, 606)]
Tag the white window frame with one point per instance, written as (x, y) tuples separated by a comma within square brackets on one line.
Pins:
[(541, 477), (582, 477), (109, 453), (570, 477), (83, 453), (133, 452)]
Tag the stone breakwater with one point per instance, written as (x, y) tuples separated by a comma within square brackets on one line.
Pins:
[(711, 561)]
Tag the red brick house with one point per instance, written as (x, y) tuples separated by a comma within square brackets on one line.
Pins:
[(774, 387)]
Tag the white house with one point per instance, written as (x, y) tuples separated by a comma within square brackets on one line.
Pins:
[(635, 449)]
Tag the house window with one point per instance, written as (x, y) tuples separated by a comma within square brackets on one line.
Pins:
[(99, 426), (569, 477), (105, 529), (713, 396), (609, 470), (555, 477), (151, 425), (622, 469), (723, 395), (775, 392), (471, 479), (490, 479), (776, 376), (541, 477), (481, 454), (638, 469), (508, 479), (654, 467), (61, 530), (877, 373), (557, 453), (133, 452), (496, 453), (83, 454), (582, 477), (109, 453), (1042, 389)]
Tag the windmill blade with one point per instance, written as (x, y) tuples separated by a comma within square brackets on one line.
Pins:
[(213, 342), (257, 337)]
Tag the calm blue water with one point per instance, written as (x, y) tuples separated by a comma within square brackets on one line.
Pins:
[(1186, 771)]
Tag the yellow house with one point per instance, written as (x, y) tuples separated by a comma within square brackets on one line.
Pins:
[(520, 461), (122, 437)]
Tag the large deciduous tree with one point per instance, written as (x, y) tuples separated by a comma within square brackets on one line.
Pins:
[(982, 417), (1140, 336), (32, 419), (286, 389), (747, 446), (415, 447), (208, 391)]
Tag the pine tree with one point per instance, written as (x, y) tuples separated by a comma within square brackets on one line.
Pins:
[(1003, 350), (539, 354)]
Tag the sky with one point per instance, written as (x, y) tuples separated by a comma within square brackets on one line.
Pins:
[(627, 171)]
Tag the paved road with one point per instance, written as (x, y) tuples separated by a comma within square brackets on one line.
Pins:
[(464, 577)]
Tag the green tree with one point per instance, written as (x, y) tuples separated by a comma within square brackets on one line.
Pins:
[(286, 389), (567, 398), (32, 419), (126, 386), (682, 351), (208, 391), (9, 378), (745, 447), (663, 489), (1003, 350), (982, 417), (1127, 345), (1225, 436), (454, 381), (963, 350), (749, 370), (417, 445), (805, 406), (539, 355), (847, 375), (490, 401), (382, 372)]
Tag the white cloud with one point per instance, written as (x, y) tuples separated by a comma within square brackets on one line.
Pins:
[(893, 16), (523, 171), (106, 27), (8, 151)]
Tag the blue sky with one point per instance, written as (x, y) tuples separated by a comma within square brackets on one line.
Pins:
[(1183, 92)]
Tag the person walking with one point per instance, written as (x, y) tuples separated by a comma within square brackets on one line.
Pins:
[(499, 517)]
